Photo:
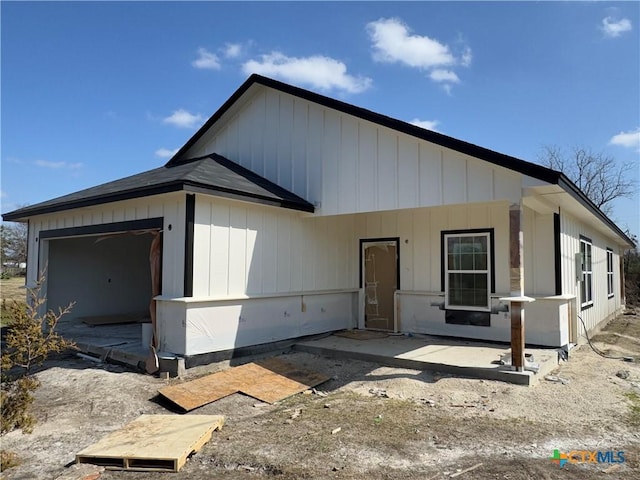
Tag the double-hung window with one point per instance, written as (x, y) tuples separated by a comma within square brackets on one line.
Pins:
[(609, 272), (467, 272), (586, 283)]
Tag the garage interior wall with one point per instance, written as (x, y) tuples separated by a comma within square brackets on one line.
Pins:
[(103, 275)]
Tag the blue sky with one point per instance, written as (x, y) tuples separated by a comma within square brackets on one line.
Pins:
[(94, 91)]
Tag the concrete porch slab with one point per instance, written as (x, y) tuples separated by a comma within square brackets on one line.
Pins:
[(459, 357), (120, 342)]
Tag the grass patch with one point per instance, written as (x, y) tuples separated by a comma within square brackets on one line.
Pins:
[(634, 408), (8, 460), (12, 290)]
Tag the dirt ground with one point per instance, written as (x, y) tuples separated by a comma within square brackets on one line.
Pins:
[(394, 423)]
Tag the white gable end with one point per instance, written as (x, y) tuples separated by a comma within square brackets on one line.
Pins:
[(343, 164)]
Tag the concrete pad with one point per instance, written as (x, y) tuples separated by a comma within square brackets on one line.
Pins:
[(459, 357)]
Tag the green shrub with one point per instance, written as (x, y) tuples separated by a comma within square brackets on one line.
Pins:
[(31, 338)]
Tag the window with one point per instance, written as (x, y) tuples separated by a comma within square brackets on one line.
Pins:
[(467, 270), (609, 273), (586, 283)]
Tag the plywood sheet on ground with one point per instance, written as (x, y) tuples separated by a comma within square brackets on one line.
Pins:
[(153, 443), (361, 334), (116, 319), (268, 380)]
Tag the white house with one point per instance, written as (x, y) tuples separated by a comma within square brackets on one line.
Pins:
[(290, 213)]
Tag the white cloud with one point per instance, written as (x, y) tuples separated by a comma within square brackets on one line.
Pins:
[(466, 58), (232, 50), (3, 194), (614, 28), (440, 75), (427, 124), (57, 165), (393, 42), (165, 152), (206, 60), (323, 73), (627, 139), (183, 119)]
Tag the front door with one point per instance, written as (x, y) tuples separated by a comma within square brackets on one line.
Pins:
[(380, 281)]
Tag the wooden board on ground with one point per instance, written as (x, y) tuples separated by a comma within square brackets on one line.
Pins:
[(157, 443), (116, 319), (276, 380), (268, 380), (361, 334)]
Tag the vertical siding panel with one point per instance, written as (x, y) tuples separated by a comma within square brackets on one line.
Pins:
[(500, 221), (430, 175), (270, 254), (479, 181), (367, 167), (438, 221), (529, 238), (310, 253), (324, 253), (246, 129), (405, 232), (220, 223), (421, 248), (201, 247), (408, 159), (330, 151), (454, 178), (257, 136), (272, 115), (299, 147), (314, 154), (237, 249), (296, 253), (283, 266), (285, 130), (348, 165), (458, 218), (255, 242), (387, 170)]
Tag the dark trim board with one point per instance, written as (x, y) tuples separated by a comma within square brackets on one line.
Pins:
[(557, 253), (116, 227), (189, 229)]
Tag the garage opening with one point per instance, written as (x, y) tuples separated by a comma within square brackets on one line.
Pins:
[(104, 275), (111, 273)]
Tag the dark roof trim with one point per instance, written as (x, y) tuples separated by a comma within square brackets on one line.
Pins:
[(571, 188), (512, 163), (17, 215), (293, 202)]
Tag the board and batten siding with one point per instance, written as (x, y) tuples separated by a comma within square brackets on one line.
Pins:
[(539, 253), (171, 207), (603, 306), (244, 249), (345, 165)]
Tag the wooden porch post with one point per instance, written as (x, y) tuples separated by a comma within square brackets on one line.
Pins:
[(516, 282)]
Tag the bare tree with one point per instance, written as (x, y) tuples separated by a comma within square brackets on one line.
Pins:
[(599, 176)]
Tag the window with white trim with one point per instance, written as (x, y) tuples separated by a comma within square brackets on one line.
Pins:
[(586, 283), (609, 273), (467, 275)]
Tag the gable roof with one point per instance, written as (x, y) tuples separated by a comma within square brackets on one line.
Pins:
[(212, 174), (506, 161)]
